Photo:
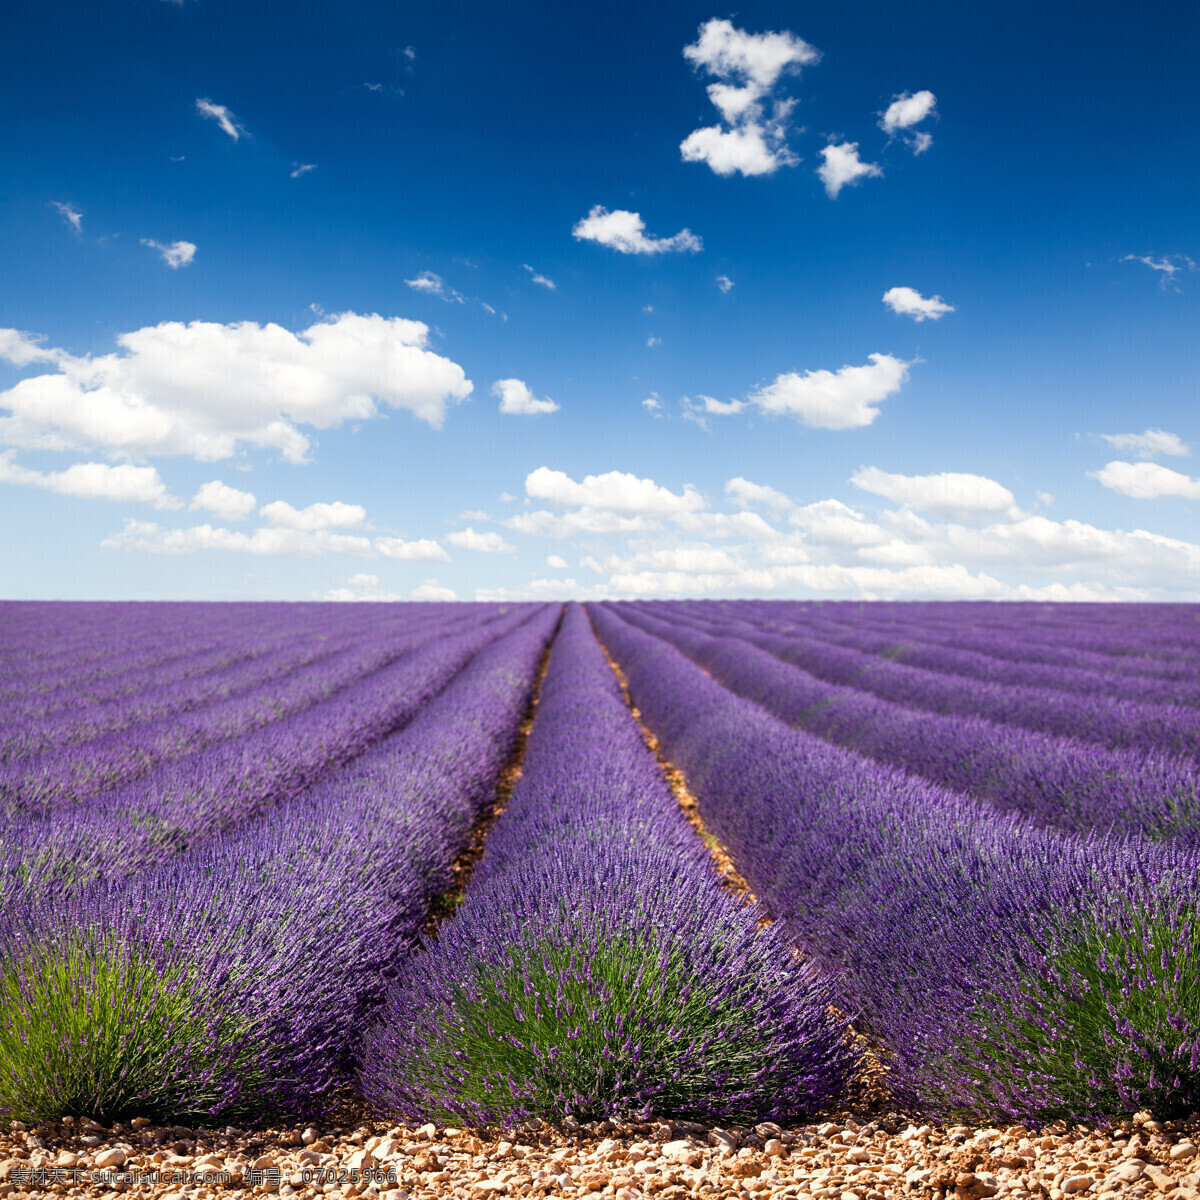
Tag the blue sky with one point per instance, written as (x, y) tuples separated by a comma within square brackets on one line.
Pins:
[(384, 301)]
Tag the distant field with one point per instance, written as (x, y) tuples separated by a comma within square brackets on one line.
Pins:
[(718, 861)]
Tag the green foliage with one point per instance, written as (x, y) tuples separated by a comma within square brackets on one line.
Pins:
[(90, 1026), (591, 1030), (1105, 1019)]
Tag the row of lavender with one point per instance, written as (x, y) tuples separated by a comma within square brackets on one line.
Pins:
[(1005, 968), (228, 917), (1064, 782), (232, 968), (597, 966)]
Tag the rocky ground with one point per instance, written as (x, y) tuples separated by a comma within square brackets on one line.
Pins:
[(838, 1160)]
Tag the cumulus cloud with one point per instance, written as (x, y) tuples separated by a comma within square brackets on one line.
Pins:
[(625, 232), (360, 588), (70, 214), (421, 550), (969, 539), (336, 515), (223, 117), (433, 591), (148, 538), (724, 283), (905, 111), (950, 494), (749, 495), (1146, 481), (613, 503), (93, 481), (484, 543), (1150, 443), (1167, 266), (653, 405), (174, 254), (299, 169), (539, 278), (842, 166), (832, 523), (842, 399), (614, 491), (748, 66), (434, 285), (204, 389), (699, 410), (516, 398), (908, 302), (557, 562), (228, 503)]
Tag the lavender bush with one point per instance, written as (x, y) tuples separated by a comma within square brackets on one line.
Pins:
[(235, 980), (932, 912), (1057, 781), (596, 967)]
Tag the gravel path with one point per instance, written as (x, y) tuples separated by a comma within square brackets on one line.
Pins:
[(835, 1160)]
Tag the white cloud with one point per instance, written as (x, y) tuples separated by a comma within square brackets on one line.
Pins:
[(625, 232), (1146, 481), (614, 491), (612, 503), (421, 550), (699, 410), (1150, 443), (746, 494), (222, 116), (336, 515), (93, 481), (653, 341), (360, 588), (748, 66), (951, 494), (484, 543), (842, 166), (842, 399), (557, 562), (204, 389), (653, 405), (433, 591), (301, 169), (226, 502), (828, 548), (70, 214), (435, 285), (174, 254), (724, 283), (905, 111), (832, 523), (1167, 266), (908, 302), (149, 538), (757, 149), (516, 398), (539, 278)]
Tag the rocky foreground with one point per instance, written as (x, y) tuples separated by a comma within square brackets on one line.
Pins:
[(834, 1160)]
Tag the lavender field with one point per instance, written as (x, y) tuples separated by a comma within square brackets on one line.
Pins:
[(461, 862)]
